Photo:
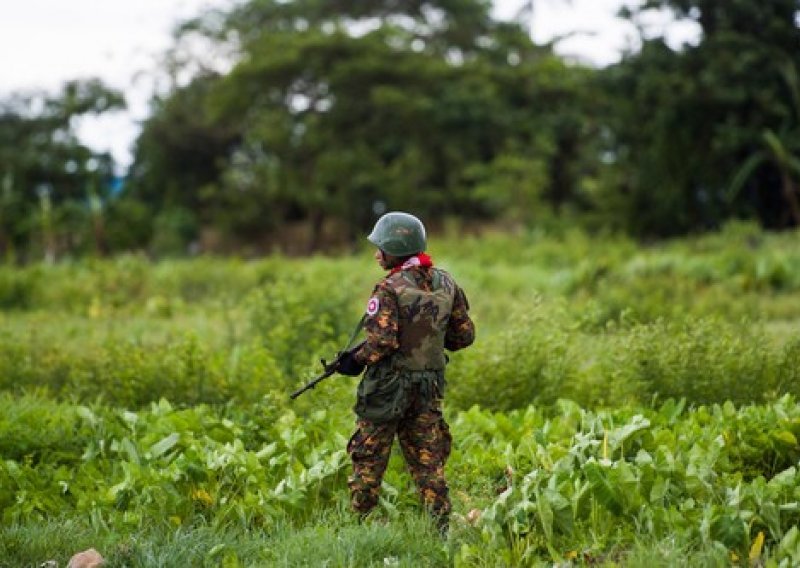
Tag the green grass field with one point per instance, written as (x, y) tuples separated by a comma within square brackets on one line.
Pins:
[(624, 405)]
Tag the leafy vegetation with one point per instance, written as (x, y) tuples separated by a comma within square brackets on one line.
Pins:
[(636, 406), (545, 485), (626, 403)]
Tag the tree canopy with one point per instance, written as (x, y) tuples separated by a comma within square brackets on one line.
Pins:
[(332, 112), (687, 121), (338, 110), (48, 178)]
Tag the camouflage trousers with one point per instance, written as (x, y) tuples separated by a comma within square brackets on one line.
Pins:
[(425, 441)]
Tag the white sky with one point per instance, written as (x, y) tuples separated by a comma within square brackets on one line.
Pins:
[(46, 42)]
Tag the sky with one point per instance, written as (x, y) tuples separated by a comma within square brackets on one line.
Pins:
[(44, 43)]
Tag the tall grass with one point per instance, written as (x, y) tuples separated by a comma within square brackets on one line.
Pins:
[(601, 322)]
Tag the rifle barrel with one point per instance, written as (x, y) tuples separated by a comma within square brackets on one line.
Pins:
[(310, 385)]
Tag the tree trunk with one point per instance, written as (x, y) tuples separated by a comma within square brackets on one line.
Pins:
[(100, 242), (317, 218), (790, 194)]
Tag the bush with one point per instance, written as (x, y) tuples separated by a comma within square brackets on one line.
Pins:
[(132, 375), (703, 360), (527, 363), (18, 288)]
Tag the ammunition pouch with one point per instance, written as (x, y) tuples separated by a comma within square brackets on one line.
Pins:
[(385, 392)]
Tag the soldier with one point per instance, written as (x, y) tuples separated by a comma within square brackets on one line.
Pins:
[(415, 313)]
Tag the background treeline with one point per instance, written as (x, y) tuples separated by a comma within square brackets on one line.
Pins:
[(329, 113)]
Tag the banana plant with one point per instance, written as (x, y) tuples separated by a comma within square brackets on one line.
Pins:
[(780, 149)]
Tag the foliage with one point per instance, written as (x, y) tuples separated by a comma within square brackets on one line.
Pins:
[(708, 319), (668, 141), (296, 123), (49, 180), (619, 399), (712, 110), (332, 111), (722, 478), (178, 154), (718, 480)]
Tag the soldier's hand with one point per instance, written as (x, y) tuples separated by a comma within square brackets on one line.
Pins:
[(348, 365)]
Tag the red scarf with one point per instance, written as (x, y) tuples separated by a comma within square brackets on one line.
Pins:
[(420, 259)]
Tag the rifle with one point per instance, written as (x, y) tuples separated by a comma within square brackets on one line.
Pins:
[(330, 368)]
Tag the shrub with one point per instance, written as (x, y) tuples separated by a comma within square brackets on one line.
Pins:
[(703, 360), (527, 363)]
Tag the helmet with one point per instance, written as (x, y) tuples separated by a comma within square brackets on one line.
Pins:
[(398, 234)]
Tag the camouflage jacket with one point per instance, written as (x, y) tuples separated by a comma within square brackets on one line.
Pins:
[(412, 316)]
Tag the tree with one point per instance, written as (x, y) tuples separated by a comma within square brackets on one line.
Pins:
[(683, 122), (44, 165), (782, 151), (336, 110), (178, 157)]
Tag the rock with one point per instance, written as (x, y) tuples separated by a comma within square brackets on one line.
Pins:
[(473, 516), (86, 559)]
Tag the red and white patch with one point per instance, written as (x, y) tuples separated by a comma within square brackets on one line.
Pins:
[(373, 306)]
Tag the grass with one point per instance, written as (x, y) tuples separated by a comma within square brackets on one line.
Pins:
[(334, 538)]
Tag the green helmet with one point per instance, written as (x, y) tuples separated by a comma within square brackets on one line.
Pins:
[(398, 234)]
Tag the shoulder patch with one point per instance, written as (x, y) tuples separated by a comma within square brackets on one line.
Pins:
[(373, 306)]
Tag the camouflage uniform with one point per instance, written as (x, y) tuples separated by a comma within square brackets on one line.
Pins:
[(413, 315)]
